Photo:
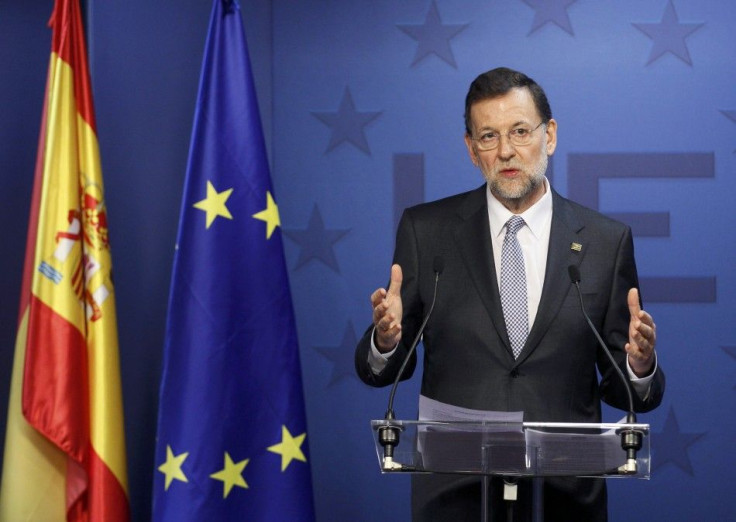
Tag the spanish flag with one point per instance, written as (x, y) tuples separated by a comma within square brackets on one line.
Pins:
[(65, 448)]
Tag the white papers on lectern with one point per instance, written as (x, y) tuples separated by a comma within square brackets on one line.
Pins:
[(432, 410), (470, 441)]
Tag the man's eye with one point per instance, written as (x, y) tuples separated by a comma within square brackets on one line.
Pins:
[(489, 136), (520, 132)]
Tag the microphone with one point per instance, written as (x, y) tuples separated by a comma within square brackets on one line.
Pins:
[(631, 440), (388, 435)]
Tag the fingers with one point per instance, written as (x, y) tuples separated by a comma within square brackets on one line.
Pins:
[(644, 329), (387, 311), (642, 335), (633, 302), (394, 288), (641, 327), (380, 313), (388, 327), (378, 296), (396, 278), (642, 338)]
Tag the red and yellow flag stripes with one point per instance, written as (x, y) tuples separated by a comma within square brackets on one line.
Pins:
[(65, 447)]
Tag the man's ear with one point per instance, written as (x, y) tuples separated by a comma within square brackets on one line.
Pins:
[(551, 136), (471, 150)]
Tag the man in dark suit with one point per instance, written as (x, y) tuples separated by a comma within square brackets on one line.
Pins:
[(475, 354)]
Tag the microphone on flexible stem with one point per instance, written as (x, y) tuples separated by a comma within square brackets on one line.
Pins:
[(631, 440), (388, 435)]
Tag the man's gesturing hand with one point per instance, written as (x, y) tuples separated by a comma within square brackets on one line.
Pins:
[(642, 337), (387, 312)]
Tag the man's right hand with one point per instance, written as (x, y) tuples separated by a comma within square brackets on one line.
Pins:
[(387, 312)]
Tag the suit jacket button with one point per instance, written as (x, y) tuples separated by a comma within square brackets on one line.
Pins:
[(514, 373)]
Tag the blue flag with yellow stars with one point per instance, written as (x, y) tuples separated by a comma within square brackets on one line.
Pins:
[(232, 433)]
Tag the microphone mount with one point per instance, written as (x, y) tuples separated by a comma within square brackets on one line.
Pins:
[(631, 439), (390, 434)]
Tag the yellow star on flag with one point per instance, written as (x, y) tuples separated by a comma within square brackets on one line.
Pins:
[(289, 448), (172, 467), (214, 203), (270, 215), (231, 475)]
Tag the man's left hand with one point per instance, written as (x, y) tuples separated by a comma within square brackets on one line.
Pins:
[(642, 337)]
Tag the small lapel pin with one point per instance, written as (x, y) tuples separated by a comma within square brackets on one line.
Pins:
[(577, 247)]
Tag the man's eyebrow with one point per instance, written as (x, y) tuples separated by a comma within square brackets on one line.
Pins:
[(494, 129)]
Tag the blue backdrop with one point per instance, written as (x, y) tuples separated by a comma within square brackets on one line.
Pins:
[(362, 103)]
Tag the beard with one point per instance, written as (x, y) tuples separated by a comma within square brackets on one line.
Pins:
[(520, 187)]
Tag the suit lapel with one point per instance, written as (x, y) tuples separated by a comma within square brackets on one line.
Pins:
[(473, 239), (562, 252)]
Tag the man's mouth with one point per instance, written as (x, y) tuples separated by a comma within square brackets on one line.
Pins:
[(509, 173)]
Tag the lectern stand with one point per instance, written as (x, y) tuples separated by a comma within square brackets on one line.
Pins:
[(512, 450)]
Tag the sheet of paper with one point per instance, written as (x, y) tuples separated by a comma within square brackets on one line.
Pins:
[(464, 440), (432, 410)]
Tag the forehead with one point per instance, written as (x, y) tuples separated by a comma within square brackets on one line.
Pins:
[(514, 107)]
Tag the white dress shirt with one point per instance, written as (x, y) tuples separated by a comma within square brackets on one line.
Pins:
[(534, 241)]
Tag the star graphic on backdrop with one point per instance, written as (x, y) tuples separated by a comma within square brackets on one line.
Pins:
[(231, 475), (214, 203), (289, 448), (341, 356), (433, 37), (671, 445), (172, 467), (347, 124), (554, 11), (731, 115), (270, 215), (669, 35), (730, 350), (316, 241)]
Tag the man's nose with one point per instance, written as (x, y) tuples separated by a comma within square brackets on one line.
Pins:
[(505, 147)]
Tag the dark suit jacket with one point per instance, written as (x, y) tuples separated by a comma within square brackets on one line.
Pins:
[(467, 355)]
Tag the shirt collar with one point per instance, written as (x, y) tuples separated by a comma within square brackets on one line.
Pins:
[(535, 216)]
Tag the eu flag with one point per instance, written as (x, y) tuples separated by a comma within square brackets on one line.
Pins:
[(232, 433)]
